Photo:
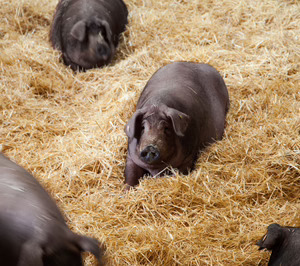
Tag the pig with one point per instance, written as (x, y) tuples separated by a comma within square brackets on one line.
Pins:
[(87, 31), (181, 110), (284, 243), (33, 231)]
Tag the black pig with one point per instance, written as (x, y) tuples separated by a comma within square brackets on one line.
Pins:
[(181, 110), (87, 31), (32, 229), (284, 243)]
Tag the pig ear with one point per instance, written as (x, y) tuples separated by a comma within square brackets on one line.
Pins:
[(78, 30), (180, 120), (133, 126), (31, 254), (89, 244), (271, 238), (105, 25)]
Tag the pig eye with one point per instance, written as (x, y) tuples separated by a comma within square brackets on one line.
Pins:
[(167, 131), (142, 129)]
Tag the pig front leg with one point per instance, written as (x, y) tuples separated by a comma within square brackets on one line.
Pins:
[(132, 173), (68, 62)]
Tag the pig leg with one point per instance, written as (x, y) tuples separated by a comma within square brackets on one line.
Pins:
[(73, 66), (133, 173)]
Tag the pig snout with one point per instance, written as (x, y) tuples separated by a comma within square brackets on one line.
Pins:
[(150, 154), (104, 51)]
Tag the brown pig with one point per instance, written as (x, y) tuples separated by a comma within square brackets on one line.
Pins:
[(87, 31), (32, 229), (181, 110)]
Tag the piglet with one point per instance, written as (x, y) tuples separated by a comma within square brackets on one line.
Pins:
[(284, 242), (87, 31), (32, 229), (181, 110)]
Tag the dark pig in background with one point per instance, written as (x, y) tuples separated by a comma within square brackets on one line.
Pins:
[(181, 110), (32, 229), (284, 243), (87, 31)]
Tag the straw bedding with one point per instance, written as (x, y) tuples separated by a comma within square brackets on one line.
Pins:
[(67, 128)]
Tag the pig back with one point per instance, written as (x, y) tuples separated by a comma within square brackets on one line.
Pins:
[(113, 11), (195, 89), (19, 189), (26, 209)]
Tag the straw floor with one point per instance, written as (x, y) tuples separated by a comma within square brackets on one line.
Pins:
[(67, 128)]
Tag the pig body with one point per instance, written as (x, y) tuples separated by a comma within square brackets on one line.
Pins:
[(284, 242), (87, 31), (181, 110), (32, 228)]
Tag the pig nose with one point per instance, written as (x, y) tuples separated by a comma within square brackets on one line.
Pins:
[(103, 51), (150, 154)]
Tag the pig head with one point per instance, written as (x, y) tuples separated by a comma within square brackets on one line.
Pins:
[(175, 118), (158, 130), (32, 229), (284, 242), (89, 44), (87, 32)]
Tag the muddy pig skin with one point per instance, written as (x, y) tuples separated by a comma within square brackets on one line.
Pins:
[(87, 31), (181, 110), (284, 242), (32, 229)]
